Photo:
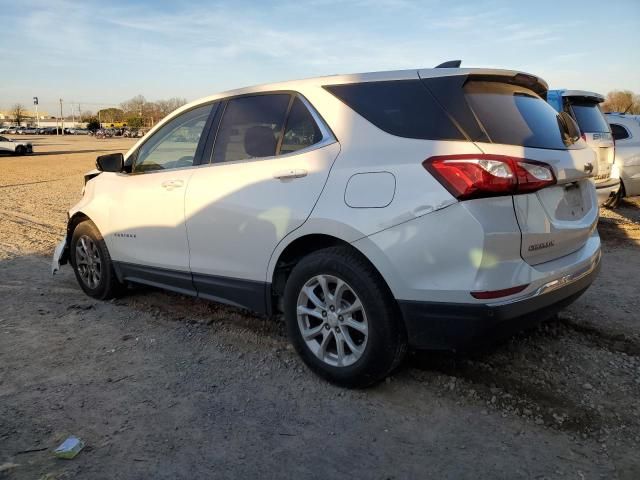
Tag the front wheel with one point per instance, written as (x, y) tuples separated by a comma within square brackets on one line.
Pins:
[(20, 150), (92, 263), (342, 319)]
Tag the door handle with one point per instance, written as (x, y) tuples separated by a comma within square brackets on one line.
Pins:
[(288, 174), (171, 184)]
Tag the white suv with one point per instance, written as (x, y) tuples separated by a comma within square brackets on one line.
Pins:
[(626, 133), (377, 211)]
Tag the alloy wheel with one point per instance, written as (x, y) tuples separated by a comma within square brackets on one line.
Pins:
[(88, 262), (332, 320)]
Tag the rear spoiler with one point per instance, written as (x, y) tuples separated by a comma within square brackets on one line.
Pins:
[(452, 68), (583, 95)]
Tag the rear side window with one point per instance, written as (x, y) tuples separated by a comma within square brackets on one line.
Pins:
[(619, 132), (404, 108), (251, 127), (589, 117), (301, 131), (515, 115)]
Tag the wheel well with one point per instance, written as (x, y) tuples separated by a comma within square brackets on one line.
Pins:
[(73, 222), (292, 254)]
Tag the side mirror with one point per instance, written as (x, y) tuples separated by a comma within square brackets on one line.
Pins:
[(112, 162)]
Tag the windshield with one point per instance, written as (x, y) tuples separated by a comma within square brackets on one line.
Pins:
[(589, 117)]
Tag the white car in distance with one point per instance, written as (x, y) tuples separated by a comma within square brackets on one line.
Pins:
[(419, 208), (16, 147), (626, 134)]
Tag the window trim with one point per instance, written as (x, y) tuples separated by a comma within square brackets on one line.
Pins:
[(130, 161), (328, 137)]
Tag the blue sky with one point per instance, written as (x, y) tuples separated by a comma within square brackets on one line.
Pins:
[(108, 51)]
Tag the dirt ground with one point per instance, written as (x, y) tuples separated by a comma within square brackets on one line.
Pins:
[(164, 386)]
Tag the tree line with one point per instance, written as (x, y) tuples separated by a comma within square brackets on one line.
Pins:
[(136, 112)]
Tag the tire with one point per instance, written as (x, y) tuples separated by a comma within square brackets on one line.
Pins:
[(92, 263), (377, 352), (615, 200), (20, 150)]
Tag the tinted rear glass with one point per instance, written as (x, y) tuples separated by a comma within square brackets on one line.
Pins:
[(619, 132), (514, 115), (589, 117), (404, 108)]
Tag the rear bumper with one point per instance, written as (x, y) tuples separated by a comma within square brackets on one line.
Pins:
[(606, 188), (455, 326)]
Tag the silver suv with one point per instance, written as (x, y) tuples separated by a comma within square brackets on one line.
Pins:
[(379, 211)]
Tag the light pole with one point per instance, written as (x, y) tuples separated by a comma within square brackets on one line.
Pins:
[(61, 117), (35, 102)]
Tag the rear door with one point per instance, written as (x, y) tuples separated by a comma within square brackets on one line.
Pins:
[(270, 161), (506, 116)]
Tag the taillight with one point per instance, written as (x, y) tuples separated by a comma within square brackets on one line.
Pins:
[(477, 176)]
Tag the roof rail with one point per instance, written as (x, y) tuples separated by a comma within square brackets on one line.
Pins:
[(450, 64)]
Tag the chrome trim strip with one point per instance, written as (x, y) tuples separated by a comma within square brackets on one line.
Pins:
[(558, 282)]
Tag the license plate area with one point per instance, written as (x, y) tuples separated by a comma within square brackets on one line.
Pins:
[(572, 205)]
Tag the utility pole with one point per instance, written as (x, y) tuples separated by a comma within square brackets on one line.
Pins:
[(61, 117), (35, 102)]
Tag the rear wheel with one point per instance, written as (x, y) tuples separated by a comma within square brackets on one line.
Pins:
[(342, 319), (20, 150), (92, 263)]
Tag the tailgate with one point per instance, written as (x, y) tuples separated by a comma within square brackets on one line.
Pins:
[(556, 220)]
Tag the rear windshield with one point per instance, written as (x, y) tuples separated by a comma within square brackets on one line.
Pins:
[(589, 117), (404, 108), (515, 115)]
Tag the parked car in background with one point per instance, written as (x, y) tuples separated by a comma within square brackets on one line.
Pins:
[(4, 129), (359, 206), (29, 131), (626, 135), (584, 107), (15, 146), (20, 130), (12, 130)]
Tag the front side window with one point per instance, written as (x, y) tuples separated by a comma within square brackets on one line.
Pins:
[(619, 132), (175, 144), (251, 127), (301, 131)]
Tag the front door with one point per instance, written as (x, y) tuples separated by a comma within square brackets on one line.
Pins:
[(148, 236)]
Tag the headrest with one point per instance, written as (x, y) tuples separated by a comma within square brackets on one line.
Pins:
[(259, 141)]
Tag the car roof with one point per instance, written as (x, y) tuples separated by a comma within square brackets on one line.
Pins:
[(622, 118), (338, 79)]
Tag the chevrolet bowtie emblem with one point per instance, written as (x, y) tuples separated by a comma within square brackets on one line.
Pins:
[(588, 168)]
